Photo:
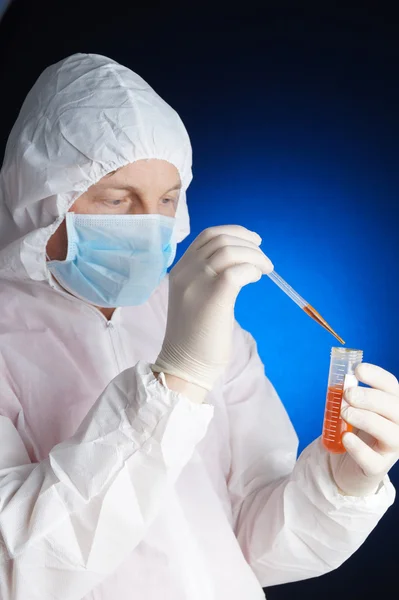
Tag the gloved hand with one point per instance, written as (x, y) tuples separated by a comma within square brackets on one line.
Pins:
[(374, 449), (203, 287)]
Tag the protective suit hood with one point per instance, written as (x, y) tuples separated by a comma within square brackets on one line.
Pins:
[(84, 117)]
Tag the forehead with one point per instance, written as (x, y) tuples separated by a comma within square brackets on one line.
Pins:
[(142, 175), (145, 166)]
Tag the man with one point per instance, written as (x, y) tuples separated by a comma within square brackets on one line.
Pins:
[(144, 452)]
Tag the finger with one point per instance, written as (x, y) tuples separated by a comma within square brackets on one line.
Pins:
[(385, 405), (377, 378), (222, 241), (383, 430), (371, 463), (236, 277), (234, 230), (229, 256)]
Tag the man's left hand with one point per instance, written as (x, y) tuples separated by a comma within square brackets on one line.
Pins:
[(373, 447)]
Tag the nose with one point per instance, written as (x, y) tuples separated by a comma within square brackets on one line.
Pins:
[(145, 211), (145, 207)]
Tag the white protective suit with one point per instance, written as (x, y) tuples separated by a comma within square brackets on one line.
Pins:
[(113, 487)]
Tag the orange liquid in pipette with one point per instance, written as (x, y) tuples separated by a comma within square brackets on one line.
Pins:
[(316, 316), (334, 426)]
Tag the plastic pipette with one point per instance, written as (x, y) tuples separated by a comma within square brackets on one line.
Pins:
[(309, 310)]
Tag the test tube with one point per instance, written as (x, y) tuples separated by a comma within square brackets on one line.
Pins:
[(343, 363)]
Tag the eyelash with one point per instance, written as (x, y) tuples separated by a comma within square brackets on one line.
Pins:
[(121, 202)]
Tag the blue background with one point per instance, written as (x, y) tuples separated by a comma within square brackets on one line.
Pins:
[(307, 165), (293, 117)]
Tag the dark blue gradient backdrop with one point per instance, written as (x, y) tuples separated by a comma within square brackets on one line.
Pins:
[(308, 161)]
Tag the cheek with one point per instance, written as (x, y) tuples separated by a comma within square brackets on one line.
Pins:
[(170, 211), (57, 245), (82, 204)]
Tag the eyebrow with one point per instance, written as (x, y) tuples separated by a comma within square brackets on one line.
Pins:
[(111, 173), (177, 186)]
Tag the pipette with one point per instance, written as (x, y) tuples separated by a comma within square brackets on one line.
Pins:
[(309, 310)]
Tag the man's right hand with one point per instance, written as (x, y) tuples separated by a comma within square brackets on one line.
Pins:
[(203, 288)]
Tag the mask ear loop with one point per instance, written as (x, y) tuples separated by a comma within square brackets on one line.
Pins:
[(48, 259), (173, 243)]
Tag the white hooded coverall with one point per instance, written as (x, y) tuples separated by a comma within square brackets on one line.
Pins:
[(113, 487)]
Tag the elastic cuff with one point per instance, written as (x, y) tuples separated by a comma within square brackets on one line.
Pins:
[(313, 470), (176, 373)]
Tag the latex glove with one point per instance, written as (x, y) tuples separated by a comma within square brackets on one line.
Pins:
[(203, 287), (374, 448)]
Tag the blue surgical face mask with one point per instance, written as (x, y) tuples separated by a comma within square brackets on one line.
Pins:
[(115, 260)]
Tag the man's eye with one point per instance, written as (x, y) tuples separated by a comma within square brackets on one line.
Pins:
[(114, 202), (168, 201)]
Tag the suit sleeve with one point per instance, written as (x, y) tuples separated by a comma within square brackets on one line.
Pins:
[(290, 520), (70, 520)]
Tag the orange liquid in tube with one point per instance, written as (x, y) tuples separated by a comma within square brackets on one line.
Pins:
[(343, 363), (334, 426)]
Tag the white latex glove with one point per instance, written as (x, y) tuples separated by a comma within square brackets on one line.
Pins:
[(203, 287), (374, 448)]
